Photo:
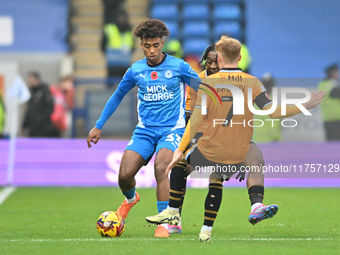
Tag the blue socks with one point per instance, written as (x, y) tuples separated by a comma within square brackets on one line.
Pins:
[(162, 205), (129, 194)]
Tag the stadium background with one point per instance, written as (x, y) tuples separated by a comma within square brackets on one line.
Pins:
[(292, 40)]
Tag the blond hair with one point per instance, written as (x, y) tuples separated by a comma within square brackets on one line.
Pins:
[(229, 48)]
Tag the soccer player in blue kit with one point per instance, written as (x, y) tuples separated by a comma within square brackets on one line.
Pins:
[(161, 80)]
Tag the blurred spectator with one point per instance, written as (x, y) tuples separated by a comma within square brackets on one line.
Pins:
[(271, 130), (118, 45), (63, 95), (2, 115), (66, 85), (37, 122), (111, 8), (245, 61), (330, 106), (173, 47)]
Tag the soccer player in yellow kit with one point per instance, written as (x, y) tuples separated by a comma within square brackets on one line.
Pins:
[(226, 145), (179, 173)]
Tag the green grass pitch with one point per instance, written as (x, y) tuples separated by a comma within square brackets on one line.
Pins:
[(40, 220)]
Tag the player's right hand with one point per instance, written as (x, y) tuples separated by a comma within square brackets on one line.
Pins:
[(178, 155), (93, 136)]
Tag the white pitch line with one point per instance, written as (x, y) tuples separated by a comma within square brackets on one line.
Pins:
[(170, 239), (5, 193)]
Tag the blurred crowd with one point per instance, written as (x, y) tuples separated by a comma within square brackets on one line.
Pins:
[(49, 110), (330, 107)]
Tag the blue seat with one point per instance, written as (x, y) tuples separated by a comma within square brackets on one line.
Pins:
[(233, 29), (193, 46), (196, 29), (165, 1), (195, 12), (226, 1), (196, 1), (165, 12), (116, 58), (173, 28), (227, 12)]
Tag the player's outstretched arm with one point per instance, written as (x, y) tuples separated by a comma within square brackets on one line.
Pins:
[(93, 136), (316, 99), (190, 131), (125, 85)]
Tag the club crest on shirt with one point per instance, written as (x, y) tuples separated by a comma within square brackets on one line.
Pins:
[(168, 74), (154, 75)]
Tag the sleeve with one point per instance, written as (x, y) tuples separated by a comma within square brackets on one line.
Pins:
[(189, 76), (191, 129), (195, 119), (198, 100), (335, 93), (193, 98), (260, 95), (126, 84)]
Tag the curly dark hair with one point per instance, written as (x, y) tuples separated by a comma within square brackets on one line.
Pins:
[(151, 28), (205, 55)]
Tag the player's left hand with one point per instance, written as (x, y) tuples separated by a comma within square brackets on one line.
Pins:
[(178, 155)]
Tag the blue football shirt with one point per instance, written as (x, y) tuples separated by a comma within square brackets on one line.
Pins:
[(161, 93)]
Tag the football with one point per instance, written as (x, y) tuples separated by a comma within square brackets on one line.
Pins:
[(110, 224)]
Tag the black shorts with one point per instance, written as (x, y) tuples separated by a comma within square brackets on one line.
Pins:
[(197, 161)]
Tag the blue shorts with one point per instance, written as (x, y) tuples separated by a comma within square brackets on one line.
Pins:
[(146, 141)]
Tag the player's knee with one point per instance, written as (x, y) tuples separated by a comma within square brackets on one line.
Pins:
[(160, 167), (160, 174), (124, 177), (256, 160), (259, 160)]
